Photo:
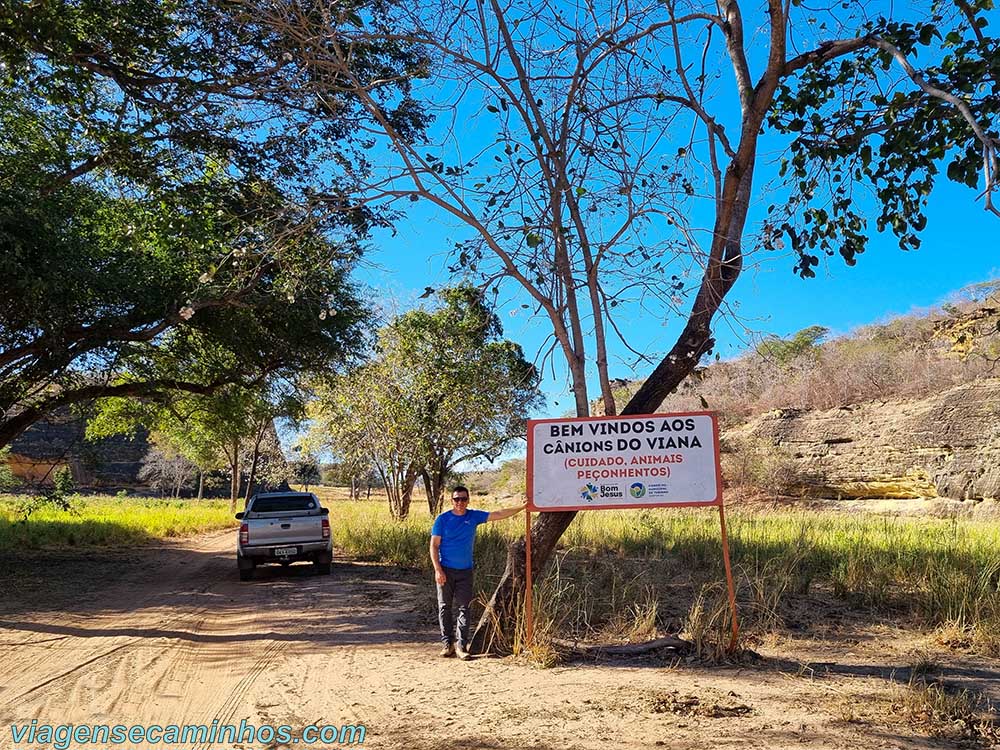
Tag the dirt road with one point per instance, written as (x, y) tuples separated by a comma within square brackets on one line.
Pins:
[(169, 635)]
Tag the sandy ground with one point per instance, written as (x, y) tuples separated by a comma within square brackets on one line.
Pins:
[(168, 635)]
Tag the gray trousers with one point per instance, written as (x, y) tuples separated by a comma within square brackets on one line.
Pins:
[(457, 586)]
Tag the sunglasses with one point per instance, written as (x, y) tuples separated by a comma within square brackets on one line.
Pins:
[(460, 499)]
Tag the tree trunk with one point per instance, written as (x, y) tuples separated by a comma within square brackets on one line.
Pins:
[(429, 491), (399, 483), (501, 611), (255, 459), (406, 496), (390, 491), (434, 482), (234, 477), (233, 487), (721, 272), (201, 484)]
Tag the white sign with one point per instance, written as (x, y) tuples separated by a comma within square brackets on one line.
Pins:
[(623, 462)]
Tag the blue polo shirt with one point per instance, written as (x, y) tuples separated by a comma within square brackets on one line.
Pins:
[(458, 534)]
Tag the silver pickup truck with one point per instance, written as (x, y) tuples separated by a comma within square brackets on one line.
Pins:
[(282, 527)]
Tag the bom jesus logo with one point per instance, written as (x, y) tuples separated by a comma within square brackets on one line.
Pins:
[(591, 491)]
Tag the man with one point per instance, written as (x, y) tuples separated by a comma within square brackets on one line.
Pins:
[(452, 538)]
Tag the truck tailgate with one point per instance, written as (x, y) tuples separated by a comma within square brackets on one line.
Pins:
[(285, 530)]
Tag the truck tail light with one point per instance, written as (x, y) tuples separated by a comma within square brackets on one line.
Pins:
[(244, 534), (326, 528)]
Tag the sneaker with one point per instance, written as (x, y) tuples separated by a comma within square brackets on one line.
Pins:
[(462, 653), (447, 650)]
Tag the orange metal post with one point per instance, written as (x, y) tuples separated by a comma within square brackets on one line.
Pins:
[(729, 578), (528, 613)]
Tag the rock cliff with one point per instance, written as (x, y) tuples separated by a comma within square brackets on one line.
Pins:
[(947, 445), (59, 441)]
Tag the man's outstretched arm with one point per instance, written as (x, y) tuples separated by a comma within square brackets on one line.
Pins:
[(499, 515)]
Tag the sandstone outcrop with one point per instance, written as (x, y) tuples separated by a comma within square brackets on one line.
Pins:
[(946, 445), (58, 441)]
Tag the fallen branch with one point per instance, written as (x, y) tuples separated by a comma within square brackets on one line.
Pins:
[(672, 642)]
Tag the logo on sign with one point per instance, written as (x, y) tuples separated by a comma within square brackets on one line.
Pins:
[(637, 490), (589, 492)]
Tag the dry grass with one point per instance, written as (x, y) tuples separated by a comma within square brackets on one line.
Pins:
[(630, 575), (959, 715), (907, 357)]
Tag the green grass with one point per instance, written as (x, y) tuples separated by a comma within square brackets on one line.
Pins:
[(108, 521), (939, 571)]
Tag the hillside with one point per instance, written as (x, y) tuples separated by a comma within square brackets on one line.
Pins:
[(906, 408), (912, 356)]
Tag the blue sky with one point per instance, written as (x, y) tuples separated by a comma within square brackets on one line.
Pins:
[(959, 248)]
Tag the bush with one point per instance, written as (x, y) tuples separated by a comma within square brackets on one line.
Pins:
[(7, 479), (759, 465)]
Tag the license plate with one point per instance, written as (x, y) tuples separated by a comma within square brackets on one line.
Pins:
[(285, 551)]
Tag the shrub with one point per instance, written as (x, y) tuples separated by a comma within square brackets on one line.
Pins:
[(758, 465)]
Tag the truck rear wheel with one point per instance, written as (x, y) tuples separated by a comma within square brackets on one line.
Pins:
[(246, 567), (321, 564)]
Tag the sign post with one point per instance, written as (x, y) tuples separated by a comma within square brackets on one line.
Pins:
[(729, 579), (641, 461), (529, 617)]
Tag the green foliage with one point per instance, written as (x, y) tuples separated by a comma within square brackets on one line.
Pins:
[(223, 429), (442, 388), (341, 474), (512, 476), (505, 481), (305, 471), (856, 124), (784, 351), (468, 389), (58, 496), (157, 226), (146, 90), (362, 417), (62, 483), (7, 479)]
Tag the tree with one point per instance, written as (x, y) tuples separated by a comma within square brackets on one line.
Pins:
[(354, 477), (443, 388), (469, 390), (616, 130), (305, 471), (232, 427), (166, 469), (153, 183), (784, 351), (362, 416)]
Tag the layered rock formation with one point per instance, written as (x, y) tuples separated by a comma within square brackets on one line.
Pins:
[(947, 445), (58, 441)]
